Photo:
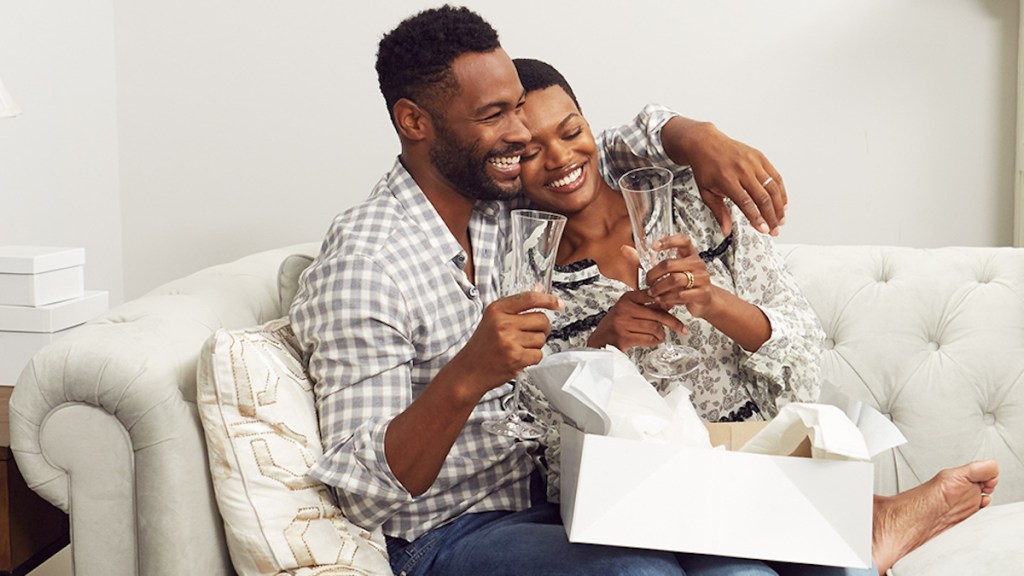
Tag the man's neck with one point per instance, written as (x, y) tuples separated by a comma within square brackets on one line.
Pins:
[(454, 208)]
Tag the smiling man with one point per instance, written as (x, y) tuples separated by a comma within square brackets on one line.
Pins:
[(411, 346)]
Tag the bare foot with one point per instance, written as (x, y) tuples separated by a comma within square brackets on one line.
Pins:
[(905, 521)]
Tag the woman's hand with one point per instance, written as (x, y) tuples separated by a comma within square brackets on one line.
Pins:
[(682, 280), (634, 321)]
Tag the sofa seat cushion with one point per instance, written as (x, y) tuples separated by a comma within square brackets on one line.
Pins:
[(257, 409), (987, 543)]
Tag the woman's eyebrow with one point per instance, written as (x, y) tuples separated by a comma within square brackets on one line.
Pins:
[(566, 120)]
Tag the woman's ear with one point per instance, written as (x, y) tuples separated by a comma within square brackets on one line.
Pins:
[(411, 121)]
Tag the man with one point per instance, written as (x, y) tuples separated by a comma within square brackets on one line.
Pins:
[(411, 346)]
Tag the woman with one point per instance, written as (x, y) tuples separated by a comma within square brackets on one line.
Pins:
[(758, 337)]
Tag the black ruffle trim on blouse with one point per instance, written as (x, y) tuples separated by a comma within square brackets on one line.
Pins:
[(741, 414), (575, 266), (716, 252), (580, 326)]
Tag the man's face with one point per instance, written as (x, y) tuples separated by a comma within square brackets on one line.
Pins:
[(480, 135)]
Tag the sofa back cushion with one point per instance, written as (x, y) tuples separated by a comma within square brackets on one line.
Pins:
[(288, 275), (933, 338), (257, 409)]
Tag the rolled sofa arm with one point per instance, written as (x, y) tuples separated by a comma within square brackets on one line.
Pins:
[(104, 422)]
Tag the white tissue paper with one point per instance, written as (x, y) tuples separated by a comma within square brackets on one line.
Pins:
[(603, 393), (879, 433)]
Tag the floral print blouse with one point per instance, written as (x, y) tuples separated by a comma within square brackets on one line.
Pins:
[(730, 384)]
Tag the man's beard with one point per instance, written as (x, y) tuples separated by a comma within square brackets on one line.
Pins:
[(465, 167)]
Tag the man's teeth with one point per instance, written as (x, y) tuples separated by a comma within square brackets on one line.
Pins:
[(567, 179), (505, 162)]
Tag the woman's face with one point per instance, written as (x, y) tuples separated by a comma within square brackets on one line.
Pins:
[(559, 165)]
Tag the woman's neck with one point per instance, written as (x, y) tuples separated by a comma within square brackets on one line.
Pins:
[(598, 232)]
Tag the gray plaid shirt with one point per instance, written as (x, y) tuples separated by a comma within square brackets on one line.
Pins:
[(383, 308)]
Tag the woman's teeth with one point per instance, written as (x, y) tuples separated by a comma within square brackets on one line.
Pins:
[(567, 179)]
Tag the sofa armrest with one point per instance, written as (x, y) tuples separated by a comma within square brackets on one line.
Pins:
[(104, 423)]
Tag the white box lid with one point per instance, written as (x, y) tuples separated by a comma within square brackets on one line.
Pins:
[(36, 259)]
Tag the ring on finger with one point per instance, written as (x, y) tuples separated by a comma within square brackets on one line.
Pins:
[(767, 181), (690, 280)]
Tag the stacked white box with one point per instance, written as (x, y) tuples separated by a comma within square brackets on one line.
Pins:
[(42, 297), (40, 275)]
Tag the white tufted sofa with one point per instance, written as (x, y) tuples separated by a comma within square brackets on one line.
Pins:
[(104, 421)]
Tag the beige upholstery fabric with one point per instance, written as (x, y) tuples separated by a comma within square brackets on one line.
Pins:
[(104, 422), (989, 543), (256, 405), (935, 340)]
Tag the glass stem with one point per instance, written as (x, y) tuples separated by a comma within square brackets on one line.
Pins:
[(513, 407)]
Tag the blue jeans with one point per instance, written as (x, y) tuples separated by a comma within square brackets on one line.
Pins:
[(533, 542)]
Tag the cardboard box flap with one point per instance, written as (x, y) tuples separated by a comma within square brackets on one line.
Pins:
[(733, 435), (665, 497)]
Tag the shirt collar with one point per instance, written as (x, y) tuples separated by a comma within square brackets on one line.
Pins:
[(408, 193)]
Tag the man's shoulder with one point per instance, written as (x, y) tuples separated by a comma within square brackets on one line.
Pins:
[(367, 227)]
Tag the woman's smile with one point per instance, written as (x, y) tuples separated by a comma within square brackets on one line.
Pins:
[(570, 179)]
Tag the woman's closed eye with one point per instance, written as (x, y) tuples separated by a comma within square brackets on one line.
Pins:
[(574, 134), (529, 154)]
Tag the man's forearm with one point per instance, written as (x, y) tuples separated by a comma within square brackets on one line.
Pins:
[(418, 440), (679, 133)]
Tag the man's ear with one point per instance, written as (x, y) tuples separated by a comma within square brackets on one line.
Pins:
[(413, 122)]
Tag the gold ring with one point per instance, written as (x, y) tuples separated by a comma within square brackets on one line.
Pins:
[(690, 281), (767, 181)]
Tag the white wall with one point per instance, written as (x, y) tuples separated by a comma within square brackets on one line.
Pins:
[(247, 124), (58, 159)]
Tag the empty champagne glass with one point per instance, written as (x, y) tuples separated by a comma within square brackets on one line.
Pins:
[(648, 194), (534, 245)]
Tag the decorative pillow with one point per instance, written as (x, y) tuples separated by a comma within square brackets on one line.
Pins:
[(288, 278), (262, 436)]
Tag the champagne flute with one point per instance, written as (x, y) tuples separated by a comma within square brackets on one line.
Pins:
[(648, 194), (534, 245)]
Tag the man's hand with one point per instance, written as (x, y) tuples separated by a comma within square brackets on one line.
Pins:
[(726, 168), (509, 338), (634, 321)]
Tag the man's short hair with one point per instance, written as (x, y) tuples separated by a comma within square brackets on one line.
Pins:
[(414, 60), (538, 75)]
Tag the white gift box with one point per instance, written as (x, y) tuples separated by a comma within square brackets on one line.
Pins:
[(17, 348), (40, 275), (53, 317), (624, 492)]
